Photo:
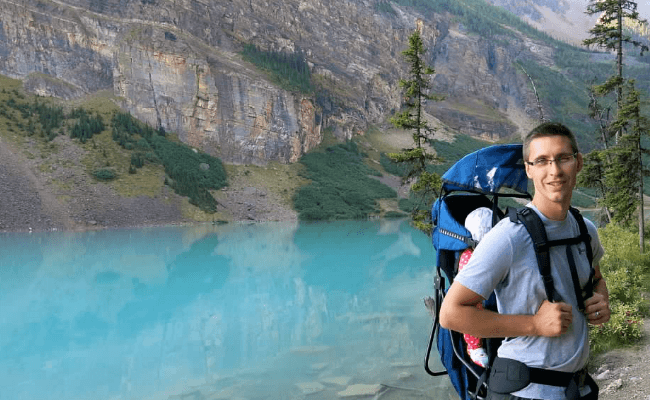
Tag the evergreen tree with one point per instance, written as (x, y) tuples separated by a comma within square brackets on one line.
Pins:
[(608, 34), (631, 120), (416, 89), (617, 173)]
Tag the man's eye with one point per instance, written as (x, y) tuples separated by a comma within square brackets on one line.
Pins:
[(541, 161), (566, 159)]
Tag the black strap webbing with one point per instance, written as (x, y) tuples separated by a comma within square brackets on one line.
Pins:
[(542, 245), (574, 277), (586, 238), (537, 232)]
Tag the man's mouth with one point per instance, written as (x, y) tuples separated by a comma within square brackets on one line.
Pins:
[(556, 183)]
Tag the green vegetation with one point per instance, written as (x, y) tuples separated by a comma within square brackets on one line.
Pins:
[(392, 167), (191, 173), (289, 70), (105, 174), (395, 215), (86, 125), (480, 17), (582, 200), (143, 149), (616, 168), (341, 187), (627, 273), (567, 99), (417, 202), (40, 117), (450, 152)]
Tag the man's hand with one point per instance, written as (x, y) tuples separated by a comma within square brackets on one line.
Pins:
[(597, 309), (553, 319)]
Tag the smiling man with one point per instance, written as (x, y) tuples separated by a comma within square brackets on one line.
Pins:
[(549, 340)]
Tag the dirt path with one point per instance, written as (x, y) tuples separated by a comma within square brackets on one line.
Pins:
[(625, 374)]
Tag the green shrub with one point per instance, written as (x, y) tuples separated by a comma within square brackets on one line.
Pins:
[(580, 199), (341, 187), (416, 202), (104, 174), (142, 145), (87, 126), (450, 152), (395, 214), (289, 70), (625, 271), (137, 160), (182, 164), (390, 166)]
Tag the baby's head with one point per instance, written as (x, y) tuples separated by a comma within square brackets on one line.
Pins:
[(479, 222)]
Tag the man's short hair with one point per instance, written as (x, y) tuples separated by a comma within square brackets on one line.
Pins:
[(549, 129)]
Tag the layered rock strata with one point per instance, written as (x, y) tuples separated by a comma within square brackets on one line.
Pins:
[(177, 65)]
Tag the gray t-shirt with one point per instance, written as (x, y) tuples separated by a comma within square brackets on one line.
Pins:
[(505, 262)]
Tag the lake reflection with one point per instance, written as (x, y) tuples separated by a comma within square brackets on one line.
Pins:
[(237, 311)]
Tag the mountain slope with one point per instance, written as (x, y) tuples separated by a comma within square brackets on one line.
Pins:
[(562, 19), (179, 67)]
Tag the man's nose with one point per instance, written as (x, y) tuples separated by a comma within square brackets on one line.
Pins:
[(555, 167)]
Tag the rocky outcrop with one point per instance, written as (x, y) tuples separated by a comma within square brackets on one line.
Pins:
[(177, 65)]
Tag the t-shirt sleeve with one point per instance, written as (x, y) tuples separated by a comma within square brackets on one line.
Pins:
[(489, 264)]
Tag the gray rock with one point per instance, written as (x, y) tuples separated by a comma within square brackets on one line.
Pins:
[(603, 375), (615, 385)]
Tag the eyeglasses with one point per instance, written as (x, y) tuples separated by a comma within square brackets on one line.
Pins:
[(560, 161)]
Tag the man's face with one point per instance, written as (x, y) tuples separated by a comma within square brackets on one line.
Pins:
[(554, 182)]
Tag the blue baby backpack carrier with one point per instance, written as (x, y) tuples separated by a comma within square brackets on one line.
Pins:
[(479, 179)]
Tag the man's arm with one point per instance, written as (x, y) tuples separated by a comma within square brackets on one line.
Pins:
[(458, 312), (599, 302)]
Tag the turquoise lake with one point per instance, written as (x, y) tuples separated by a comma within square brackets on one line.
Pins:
[(237, 311)]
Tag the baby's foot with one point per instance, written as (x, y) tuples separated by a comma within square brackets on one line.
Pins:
[(479, 356)]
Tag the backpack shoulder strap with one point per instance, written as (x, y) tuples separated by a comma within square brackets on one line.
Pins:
[(586, 238), (537, 232), (584, 233)]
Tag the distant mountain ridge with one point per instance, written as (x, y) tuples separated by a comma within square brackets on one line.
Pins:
[(563, 19)]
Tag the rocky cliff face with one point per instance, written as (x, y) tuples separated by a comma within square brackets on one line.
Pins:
[(176, 65)]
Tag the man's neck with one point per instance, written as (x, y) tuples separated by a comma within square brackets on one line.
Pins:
[(552, 211)]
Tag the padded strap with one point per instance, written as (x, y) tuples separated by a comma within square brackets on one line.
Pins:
[(584, 232), (537, 232), (586, 238), (508, 375), (552, 378)]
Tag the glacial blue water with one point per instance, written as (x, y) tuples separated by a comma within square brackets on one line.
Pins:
[(237, 311)]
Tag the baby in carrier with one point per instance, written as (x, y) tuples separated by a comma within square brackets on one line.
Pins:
[(478, 222)]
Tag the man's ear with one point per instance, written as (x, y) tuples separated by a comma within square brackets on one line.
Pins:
[(528, 170), (580, 162)]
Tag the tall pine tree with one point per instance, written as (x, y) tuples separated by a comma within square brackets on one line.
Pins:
[(631, 120), (608, 34), (416, 92), (615, 171)]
